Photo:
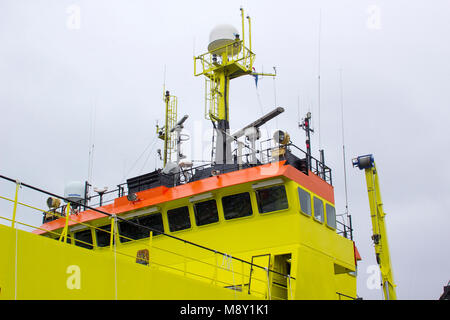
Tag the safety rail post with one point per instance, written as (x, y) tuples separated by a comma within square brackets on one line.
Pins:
[(111, 236), (243, 276), (66, 224), (290, 287), (215, 268), (269, 294), (150, 246), (184, 259), (249, 33), (15, 203), (243, 34)]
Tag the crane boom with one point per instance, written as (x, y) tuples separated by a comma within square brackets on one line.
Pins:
[(377, 214)]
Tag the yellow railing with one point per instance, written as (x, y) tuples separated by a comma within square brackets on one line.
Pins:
[(235, 53), (178, 256)]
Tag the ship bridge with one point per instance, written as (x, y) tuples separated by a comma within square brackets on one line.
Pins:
[(276, 220), (254, 223)]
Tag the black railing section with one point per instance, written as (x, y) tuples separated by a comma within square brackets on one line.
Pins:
[(346, 297), (316, 166), (185, 175), (344, 229)]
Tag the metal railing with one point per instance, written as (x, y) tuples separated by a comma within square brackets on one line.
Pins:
[(345, 230), (175, 254), (246, 160), (235, 52), (316, 166), (342, 296)]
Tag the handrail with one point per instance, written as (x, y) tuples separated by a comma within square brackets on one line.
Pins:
[(236, 48), (145, 227), (153, 262), (63, 235), (344, 295)]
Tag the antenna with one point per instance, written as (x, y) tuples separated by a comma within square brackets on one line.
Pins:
[(343, 142), (164, 81), (318, 75), (91, 145), (275, 93), (306, 125)]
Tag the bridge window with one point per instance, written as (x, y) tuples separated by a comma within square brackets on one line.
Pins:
[(237, 206), (179, 219), (331, 216), (84, 239), (103, 235), (68, 239), (318, 209), (305, 201), (271, 199), (129, 231), (206, 212)]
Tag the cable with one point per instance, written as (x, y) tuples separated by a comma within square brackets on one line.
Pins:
[(148, 156), (262, 111), (137, 224), (318, 76), (343, 143), (132, 167)]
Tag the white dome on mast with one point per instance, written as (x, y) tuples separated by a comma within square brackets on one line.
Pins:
[(222, 35)]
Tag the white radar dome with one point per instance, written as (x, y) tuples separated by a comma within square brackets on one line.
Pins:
[(74, 191), (220, 36)]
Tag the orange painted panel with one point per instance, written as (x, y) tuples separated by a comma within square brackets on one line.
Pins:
[(163, 194)]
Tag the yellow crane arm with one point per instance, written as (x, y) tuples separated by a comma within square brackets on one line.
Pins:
[(377, 215)]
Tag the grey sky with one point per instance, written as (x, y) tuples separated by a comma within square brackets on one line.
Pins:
[(396, 76)]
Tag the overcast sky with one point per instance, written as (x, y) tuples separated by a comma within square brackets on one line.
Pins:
[(77, 73)]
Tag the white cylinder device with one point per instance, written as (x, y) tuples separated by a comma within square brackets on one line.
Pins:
[(221, 36), (74, 191)]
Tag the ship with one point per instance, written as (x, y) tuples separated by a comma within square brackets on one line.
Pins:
[(257, 222)]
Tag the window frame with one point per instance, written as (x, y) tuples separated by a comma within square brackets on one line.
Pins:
[(326, 214), (194, 209), (82, 244), (240, 217), (270, 187), (300, 202), (323, 210), (133, 217), (108, 232), (189, 215)]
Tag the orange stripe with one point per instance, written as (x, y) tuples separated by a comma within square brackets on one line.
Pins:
[(312, 183), (163, 194)]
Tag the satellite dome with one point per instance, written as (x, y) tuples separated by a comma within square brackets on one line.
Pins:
[(74, 191), (220, 36)]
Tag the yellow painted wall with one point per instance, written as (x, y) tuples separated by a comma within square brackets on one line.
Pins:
[(315, 250), (48, 269)]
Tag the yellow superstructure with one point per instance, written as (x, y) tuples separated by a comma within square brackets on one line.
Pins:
[(291, 253)]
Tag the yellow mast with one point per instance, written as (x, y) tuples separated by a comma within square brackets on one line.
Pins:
[(219, 65), (377, 215), (166, 133)]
